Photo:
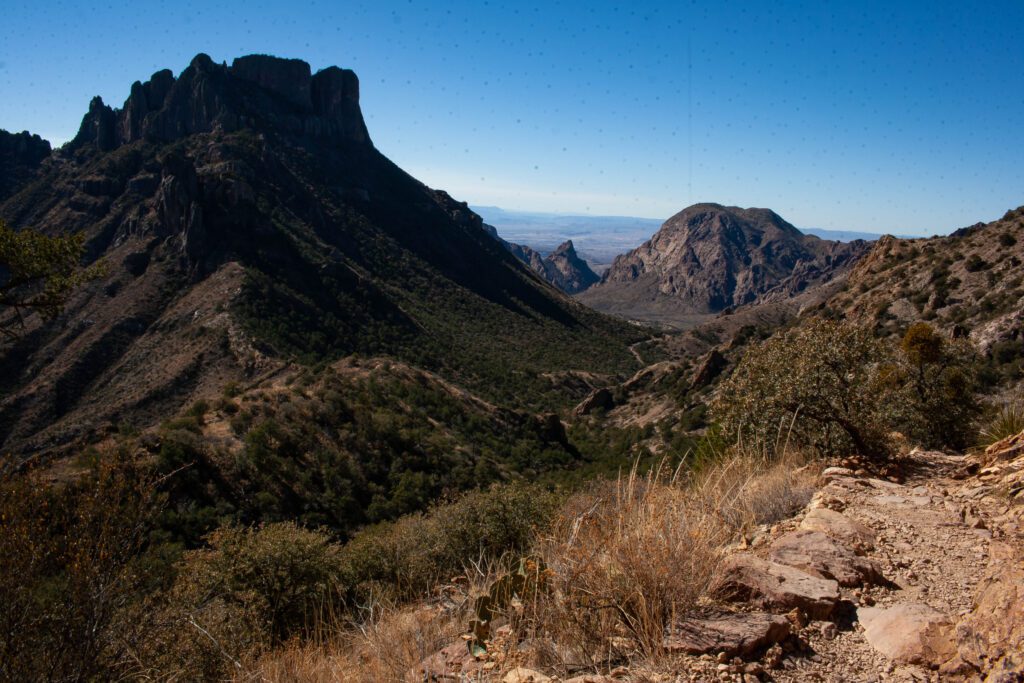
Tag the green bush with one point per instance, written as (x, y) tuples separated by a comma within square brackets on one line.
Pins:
[(404, 558), (835, 388), (70, 562), (283, 577), (930, 388), (975, 263), (814, 385)]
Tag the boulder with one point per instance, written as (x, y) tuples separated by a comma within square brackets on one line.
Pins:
[(816, 553), (737, 634), (911, 633), (991, 637), (774, 586), (451, 663), (840, 527), (599, 399), (830, 473)]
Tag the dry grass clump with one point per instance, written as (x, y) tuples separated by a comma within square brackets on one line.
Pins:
[(382, 648), (628, 560), (639, 554)]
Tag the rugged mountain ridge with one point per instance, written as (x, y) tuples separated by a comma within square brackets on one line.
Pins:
[(709, 258), (967, 284), (563, 267), (255, 91), (20, 157), (247, 221)]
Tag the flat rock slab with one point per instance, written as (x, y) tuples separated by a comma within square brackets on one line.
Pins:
[(816, 553), (773, 586), (734, 633), (849, 532), (830, 473), (911, 633)]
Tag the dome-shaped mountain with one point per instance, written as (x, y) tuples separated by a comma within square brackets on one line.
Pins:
[(709, 257)]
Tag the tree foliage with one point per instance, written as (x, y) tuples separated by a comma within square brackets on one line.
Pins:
[(69, 564), (833, 386), (38, 273)]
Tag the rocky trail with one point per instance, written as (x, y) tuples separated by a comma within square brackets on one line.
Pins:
[(915, 577), (928, 574)]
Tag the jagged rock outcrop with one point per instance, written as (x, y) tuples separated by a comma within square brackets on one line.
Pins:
[(567, 271), (709, 257), (266, 93), (562, 267), (21, 154)]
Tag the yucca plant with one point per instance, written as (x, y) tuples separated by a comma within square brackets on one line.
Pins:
[(1007, 421)]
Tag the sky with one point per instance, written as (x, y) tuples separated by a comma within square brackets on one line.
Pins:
[(900, 117)]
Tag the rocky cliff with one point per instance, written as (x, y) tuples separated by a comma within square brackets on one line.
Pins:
[(257, 91), (709, 258)]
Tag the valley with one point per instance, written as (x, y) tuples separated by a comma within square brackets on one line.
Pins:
[(291, 414)]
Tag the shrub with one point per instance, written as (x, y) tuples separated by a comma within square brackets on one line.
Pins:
[(1007, 240), (1008, 420), (835, 388), (281, 574), (815, 385), (975, 263), (405, 558), (931, 388), (69, 563)]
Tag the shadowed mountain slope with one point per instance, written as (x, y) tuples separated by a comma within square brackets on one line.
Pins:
[(246, 221)]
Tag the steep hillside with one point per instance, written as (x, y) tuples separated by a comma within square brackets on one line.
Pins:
[(709, 258), (969, 283), (247, 221)]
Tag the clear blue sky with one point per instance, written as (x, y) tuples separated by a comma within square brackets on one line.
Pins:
[(883, 116)]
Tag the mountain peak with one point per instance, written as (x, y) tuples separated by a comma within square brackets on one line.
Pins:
[(565, 248), (268, 93)]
